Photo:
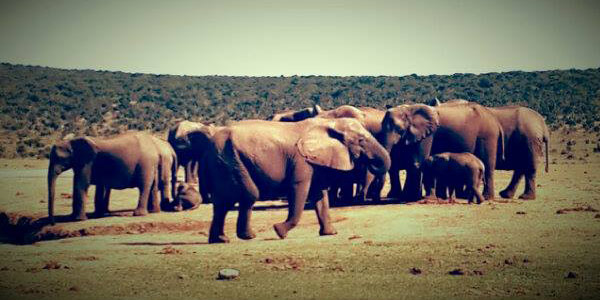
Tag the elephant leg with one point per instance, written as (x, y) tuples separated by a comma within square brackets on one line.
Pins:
[(440, 189), (510, 190), (217, 227), (451, 190), (333, 193), (412, 187), (100, 201), (322, 211), (347, 191), (189, 176), (374, 185), (81, 183), (529, 193), (145, 188), (155, 196), (296, 202), (489, 161), (244, 230), (195, 166), (395, 185)]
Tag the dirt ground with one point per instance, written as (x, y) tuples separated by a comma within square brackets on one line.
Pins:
[(549, 247)]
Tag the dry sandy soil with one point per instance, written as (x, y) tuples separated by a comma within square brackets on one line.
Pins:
[(544, 248)]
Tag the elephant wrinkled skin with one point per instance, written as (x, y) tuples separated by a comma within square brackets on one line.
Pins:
[(254, 160)]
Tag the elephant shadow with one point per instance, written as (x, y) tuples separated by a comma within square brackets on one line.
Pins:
[(311, 205)]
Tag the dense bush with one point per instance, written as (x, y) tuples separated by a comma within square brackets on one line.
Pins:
[(39, 105)]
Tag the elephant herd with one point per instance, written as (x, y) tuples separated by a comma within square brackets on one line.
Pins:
[(312, 155)]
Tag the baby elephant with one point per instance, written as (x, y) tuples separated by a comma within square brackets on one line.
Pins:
[(451, 172), (187, 198)]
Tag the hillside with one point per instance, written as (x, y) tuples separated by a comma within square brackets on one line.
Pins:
[(40, 105)]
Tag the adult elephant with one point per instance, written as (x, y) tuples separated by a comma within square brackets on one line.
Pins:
[(525, 134), (129, 160), (470, 127), (254, 160), (178, 138)]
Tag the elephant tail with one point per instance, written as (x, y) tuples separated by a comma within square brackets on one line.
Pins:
[(546, 140), (501, 145)]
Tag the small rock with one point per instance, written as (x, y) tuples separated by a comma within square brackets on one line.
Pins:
[(526, 260), (18, 193), (181, 276), (415, 271), (228, 274), (571, 275), (74, 289), (597, 216), (521, 213), (456, 272), (508, 262), (478, 272), (268, 260)]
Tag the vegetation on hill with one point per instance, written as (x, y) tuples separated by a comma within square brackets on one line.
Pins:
[(39, 105)]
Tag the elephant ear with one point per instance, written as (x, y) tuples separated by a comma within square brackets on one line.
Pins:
[(423, 121), (323, 145), (84, 150)]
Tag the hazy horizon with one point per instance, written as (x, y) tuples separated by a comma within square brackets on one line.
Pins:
[(273, 38)]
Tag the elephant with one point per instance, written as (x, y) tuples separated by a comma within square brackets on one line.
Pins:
[(191, 156), (167, 176), (177, 137), (255, 159), (524, 133), (187, 198), (451, 172), (129, 160)]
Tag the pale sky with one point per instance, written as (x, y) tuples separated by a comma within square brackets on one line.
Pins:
[(272, 38)]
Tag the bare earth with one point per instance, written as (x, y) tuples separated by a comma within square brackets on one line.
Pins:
[(547, 247)]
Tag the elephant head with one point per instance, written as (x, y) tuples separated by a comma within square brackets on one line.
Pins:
[(295, 116), (340, 143), (408, 124), (178, 135), (71, 154)]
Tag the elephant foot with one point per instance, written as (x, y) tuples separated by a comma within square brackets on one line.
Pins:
[(154, 210), (394, 194), (219, 239), (488, 197), (178, 207), (140, 212), (101, 214), (281, 229), (360, 198), (327, 230), (79, 217), (246, 235), (527, 196), (507, 194)]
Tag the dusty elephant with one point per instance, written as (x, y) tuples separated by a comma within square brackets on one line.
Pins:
[(525, 134), (186, 198), (449, 172), (178, 139), (254, 160), (128, 160)]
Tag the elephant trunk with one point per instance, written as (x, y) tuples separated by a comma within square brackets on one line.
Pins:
[(379, 159), (52, 175)]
